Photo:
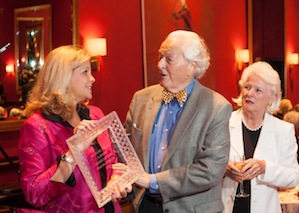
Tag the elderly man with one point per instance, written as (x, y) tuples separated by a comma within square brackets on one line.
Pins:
[(179, 129)]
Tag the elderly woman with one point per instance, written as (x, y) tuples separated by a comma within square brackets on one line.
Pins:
[(268, 144)]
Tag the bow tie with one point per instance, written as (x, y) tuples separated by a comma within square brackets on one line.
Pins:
[(181, 96)]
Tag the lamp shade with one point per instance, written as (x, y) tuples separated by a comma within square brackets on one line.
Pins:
[(293, 59), (9, 68), (242, 55), (96, 46)]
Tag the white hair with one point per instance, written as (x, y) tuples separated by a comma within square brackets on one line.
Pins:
[(192, 46), (269, 76)]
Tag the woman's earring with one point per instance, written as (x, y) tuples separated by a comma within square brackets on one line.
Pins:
[(270, 104)]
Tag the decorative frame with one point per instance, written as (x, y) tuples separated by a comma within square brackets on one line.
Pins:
[(124, 149)]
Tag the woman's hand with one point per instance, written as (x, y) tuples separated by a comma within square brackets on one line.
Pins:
[(120, 168), (253, 168), (233, 172), (119, 191), (83, 128)]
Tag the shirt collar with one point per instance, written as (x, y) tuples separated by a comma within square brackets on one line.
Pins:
[(189, 89), (82, 110)]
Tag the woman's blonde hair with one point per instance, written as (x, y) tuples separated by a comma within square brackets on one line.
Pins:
[(50, 93), (269, 76)]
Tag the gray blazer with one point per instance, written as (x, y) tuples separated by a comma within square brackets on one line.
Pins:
[(197, 156)]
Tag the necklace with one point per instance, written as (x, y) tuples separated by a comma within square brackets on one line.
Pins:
[(251, 129)]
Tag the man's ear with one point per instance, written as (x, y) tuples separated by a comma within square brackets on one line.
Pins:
[(192, 65)]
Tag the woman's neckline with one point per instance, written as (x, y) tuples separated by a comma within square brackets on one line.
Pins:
[(247, 126)]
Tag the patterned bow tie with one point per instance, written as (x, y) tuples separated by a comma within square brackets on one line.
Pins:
[(181, 96)]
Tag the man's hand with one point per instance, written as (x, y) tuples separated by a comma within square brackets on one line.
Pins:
[(144, 181)]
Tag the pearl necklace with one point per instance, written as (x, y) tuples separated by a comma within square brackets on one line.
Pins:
[(251, 129)]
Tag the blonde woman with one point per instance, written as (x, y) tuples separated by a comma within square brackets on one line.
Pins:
[(57, 107)]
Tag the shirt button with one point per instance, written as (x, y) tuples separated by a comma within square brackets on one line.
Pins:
[(166, 130), (159, 166), (162, 147)]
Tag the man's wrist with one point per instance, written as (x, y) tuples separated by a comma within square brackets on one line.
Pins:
[(153, 185)]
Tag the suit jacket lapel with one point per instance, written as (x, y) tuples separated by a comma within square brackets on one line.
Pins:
[(267, 137), (235, 126), (152, 109)]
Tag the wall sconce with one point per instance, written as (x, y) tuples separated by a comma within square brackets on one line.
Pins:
[(9, 68), (293, 59), (96, 47), (242, 56)]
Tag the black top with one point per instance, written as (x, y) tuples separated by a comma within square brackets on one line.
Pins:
[(250, 139)]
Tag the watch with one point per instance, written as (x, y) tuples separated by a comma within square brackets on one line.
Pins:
[(68, 158)]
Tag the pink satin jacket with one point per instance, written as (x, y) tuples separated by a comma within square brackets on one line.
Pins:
[(42, 141)]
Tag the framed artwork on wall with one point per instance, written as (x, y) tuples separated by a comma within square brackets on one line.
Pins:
[(159, 18)]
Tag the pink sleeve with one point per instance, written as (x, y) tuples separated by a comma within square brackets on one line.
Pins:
[(37, 166)]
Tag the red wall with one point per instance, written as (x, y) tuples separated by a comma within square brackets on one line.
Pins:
[(291, 46), (229, 33), (121, 72)]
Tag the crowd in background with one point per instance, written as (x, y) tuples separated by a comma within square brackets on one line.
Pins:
[(290, 113)]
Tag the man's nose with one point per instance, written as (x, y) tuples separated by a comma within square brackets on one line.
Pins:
[(161, 63)]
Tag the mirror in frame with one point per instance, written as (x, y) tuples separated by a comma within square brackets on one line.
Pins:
[(32, 41)]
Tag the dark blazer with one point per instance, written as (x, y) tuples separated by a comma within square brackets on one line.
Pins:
[(197, 156)]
